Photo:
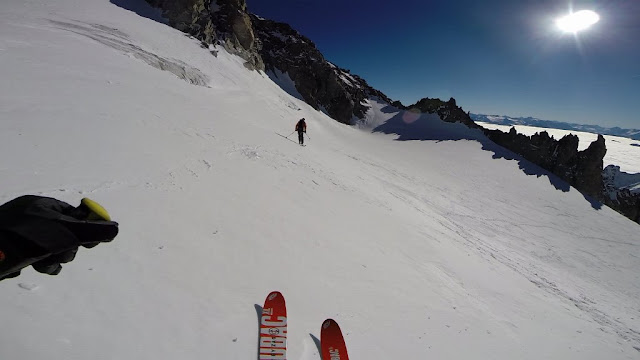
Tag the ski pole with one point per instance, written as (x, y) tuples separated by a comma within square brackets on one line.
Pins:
[(290, 134), (307, 136)]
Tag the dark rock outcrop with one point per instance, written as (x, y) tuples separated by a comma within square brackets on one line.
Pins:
[(322, 85), (236, 31), (447, 110), (190, 16), (581, 169), (588, 175), (215, 21), (398, 105), (622, 192)]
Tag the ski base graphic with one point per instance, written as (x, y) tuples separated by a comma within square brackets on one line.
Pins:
[(331, 341), (273, 328)]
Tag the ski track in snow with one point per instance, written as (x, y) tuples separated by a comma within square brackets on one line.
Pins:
[(528, 270)]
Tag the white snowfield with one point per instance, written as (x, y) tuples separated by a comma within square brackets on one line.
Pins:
[(424, 249)]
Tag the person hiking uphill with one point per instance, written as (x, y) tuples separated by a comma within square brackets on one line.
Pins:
[(301, 128)]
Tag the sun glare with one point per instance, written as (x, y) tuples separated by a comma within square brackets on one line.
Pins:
[(577, 21)]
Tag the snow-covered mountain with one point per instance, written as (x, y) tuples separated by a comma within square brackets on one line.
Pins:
[(430, 248), (294, 63), (531, 121)]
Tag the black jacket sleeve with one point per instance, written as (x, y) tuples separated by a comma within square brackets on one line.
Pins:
[(45, 232)]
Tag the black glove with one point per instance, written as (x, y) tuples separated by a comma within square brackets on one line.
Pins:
[(45, 232)]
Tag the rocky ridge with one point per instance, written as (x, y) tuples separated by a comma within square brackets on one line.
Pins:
[(622, 192), (581, 169), (322, 84), (448, 111), (224, 22)]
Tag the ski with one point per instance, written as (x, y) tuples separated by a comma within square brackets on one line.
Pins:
[(332, 342), (273, 328)]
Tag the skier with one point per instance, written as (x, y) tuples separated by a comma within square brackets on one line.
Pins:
[(44, 232), (301, 128)]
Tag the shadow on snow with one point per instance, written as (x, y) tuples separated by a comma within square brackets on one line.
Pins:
[(428, 127), (259, 314), (317, 342)]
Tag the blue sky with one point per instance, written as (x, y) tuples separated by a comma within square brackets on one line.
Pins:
[(494, 56)]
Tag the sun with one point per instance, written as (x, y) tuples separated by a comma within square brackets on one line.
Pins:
[(577, 21)]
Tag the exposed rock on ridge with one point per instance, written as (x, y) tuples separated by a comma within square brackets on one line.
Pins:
[(235, 30), (448, 111), (215, 21), (622, 192), (322, 84), (581, 169)]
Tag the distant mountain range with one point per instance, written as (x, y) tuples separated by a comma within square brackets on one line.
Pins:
[(531, 121)]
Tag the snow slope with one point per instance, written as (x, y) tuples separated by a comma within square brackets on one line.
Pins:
[(419, 249), (621, 151)]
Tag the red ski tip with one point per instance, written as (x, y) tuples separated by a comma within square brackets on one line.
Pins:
[(332, 341)]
